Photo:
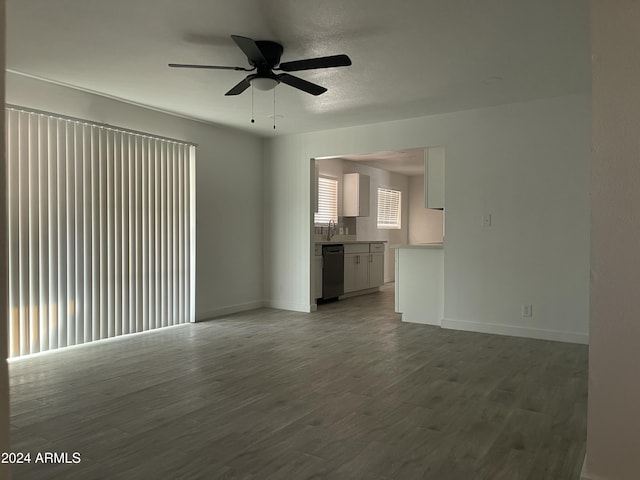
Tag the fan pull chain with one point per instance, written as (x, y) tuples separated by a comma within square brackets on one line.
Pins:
[(252, 119), (274, 108)]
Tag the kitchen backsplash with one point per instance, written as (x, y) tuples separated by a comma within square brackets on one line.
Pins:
[(335, 238), (346, 227)]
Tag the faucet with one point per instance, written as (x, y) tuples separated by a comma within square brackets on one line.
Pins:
[(330, 234)]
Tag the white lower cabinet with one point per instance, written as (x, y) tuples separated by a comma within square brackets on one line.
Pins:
[(350, 272), (363, 266), (376, 269), (356, 272)]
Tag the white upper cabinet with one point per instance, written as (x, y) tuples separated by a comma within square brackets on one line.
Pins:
[(434, 177), (355, 198), (316, 189)]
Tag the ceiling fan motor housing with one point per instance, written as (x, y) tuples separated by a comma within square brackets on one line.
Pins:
[(271, 51)]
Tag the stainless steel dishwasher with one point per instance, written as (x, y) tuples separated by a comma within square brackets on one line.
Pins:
[(332, 271)]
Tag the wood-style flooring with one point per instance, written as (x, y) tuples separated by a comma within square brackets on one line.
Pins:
[(348, 392)]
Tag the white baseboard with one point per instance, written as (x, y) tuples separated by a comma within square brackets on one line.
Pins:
[(228, 310), (294, 307), (419, 320), (360, 292), (515, 331)]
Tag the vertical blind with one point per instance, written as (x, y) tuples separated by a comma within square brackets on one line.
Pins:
[(389, 208), (101, 232), (327, 200)]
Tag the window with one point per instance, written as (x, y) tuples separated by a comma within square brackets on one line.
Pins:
[(327, 201), (101, 231), (389, 216)]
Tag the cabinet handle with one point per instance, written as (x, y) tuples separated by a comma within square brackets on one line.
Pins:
[(357, 259), (370, 258)]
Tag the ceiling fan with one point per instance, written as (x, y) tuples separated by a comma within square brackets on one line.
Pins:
[(264, 57)]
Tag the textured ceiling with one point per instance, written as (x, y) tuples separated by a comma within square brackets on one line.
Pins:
[(406, 162), (410, 58)]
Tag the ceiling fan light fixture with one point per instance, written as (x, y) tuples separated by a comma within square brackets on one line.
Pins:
[(264, 83), (264, 58)]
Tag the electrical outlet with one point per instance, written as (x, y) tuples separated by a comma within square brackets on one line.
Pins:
[(486, 220), (527, 310)]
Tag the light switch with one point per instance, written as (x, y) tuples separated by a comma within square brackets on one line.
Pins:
[(486, 220)]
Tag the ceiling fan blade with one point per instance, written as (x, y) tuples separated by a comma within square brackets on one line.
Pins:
[(313, 63), (210, 67), (301, 84), (240, 87), (250, 49)]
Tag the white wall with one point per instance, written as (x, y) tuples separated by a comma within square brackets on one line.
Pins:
[(366, 227), (288, 210), (229, 188), (527, 164), (425, 224), (614, 352)]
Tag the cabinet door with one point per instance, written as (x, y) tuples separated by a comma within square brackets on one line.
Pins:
[(364, 195), (356, 195), (350, 272), (362, 271), (376, 269), (318, 276)]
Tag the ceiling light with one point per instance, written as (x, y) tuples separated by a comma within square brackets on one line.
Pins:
[(264, 83)]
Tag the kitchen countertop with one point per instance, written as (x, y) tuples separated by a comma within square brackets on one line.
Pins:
[(344, 242), (418, 245)]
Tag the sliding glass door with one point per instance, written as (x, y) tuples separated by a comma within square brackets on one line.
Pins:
[(101, 231)]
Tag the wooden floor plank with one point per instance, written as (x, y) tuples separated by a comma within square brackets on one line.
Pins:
[(346, 392)]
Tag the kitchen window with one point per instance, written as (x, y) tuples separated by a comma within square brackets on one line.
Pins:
[(327, 201), (389, 211)]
